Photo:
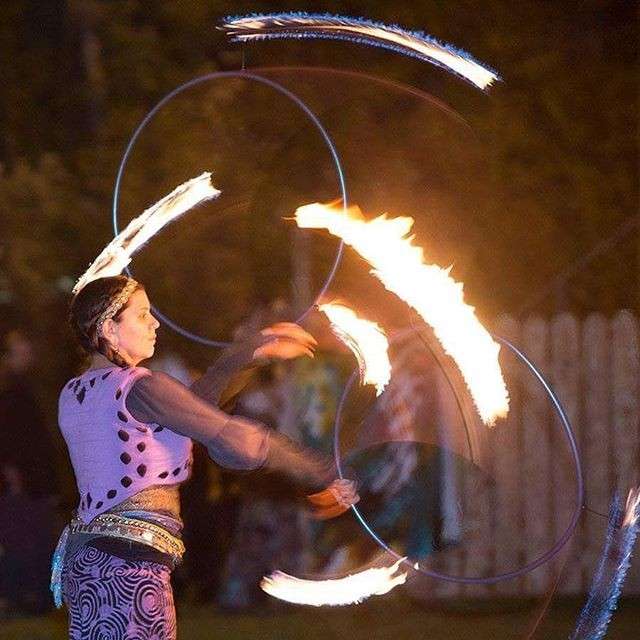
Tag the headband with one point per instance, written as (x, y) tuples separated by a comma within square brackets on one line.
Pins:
[(117, 303)]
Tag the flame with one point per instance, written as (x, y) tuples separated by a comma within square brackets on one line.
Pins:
[(351, 589), (393, 37), (117, 254), (367, 341), (400, 265), (631, 509)]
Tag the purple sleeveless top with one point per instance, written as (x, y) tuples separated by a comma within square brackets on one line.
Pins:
[(113, 455)]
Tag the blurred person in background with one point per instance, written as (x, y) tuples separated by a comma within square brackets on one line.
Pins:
[(268, 531), (27, 482)]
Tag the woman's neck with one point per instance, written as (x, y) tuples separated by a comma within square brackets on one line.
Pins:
[(100, 361)]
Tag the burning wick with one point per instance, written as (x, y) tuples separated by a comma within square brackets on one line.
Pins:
[(401, 267), (351, 589), (366, 340)]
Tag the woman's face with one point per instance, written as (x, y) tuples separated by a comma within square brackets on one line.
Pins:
[(134, 332)]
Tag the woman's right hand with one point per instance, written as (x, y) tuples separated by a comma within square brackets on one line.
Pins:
[(285, 341), (333, 501)]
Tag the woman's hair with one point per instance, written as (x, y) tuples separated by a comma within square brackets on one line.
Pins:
[(88, 305)]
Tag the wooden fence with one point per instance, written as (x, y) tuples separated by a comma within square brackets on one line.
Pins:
[(520, 508)]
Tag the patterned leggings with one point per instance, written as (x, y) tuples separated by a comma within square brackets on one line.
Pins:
[(113, 599)]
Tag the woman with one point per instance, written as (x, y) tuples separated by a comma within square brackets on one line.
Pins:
[(129, 431)]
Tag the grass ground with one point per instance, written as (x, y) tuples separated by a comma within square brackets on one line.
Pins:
[(379, 619)]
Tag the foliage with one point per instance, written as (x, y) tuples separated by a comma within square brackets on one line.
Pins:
[(556, 174)]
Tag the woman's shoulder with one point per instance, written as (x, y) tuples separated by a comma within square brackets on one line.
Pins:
[(95, 379), (156, 382)]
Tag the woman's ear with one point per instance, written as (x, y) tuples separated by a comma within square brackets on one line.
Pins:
[(109, 332)]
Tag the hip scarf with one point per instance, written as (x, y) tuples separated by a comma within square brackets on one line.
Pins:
[(147, 528)]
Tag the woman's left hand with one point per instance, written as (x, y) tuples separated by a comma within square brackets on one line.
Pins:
[(334, 500), (285, 341)]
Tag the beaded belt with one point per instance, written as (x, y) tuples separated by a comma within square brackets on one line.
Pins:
[(114, 526)]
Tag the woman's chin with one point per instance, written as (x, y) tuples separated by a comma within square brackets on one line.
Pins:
[(147, 354)]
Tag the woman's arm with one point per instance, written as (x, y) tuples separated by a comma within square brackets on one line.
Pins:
[(232, 441), (235, 366), (229, 374)]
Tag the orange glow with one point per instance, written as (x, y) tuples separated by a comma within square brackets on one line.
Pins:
[(366, 340), (401, 267), (337, 592)]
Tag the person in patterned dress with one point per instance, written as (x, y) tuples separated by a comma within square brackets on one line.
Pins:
[(129, 434)]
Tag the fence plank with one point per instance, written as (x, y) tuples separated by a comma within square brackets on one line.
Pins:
[(536, 456), (625, 434), (477, 523), (450, 562), (565, 341), (505, 448), (596, 445)]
